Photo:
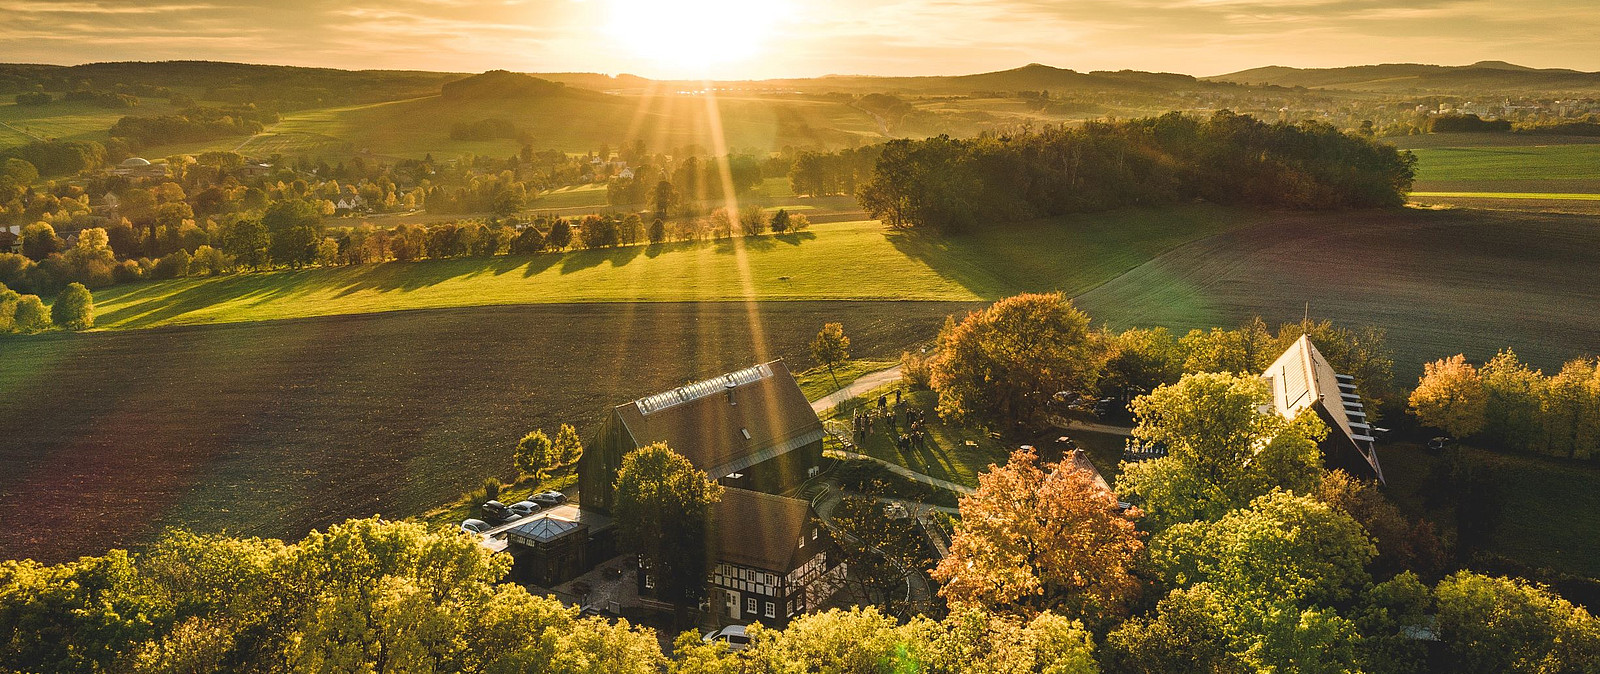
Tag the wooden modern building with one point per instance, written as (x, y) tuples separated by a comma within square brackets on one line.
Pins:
[(751, 429), (1302, 379), (774, 560)]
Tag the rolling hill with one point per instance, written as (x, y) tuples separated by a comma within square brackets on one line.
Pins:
[(1483, 76)]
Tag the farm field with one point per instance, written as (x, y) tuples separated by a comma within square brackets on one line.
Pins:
[(274, 428), (1539, 175), (836, 261), (1441, 282)]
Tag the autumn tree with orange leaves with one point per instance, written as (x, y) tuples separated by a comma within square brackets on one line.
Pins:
[(1037, 538)]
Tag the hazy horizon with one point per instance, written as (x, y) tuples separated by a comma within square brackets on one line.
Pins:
[(731, 40)]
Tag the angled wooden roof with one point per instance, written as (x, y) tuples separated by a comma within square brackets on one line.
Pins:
[(1302, 379), (726, 423), (760, 530)]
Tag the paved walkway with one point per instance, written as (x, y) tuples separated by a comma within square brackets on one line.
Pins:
[(861, 385), (908, 473)]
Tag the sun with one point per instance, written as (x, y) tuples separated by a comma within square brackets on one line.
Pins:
[(691, 36)]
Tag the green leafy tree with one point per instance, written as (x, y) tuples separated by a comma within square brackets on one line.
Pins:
[(560, 235), (73, 308), (30, 316), (1188, 632), (295, 228), (658, 231), (1000, 366), (535, 455), (831, 348), (1225, 447), (1492, 624), (663, 511), (8, 308), (568, 447), (39, 241), (1319, 554)]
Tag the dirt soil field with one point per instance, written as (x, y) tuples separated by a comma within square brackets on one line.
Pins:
[(275, 428), (1440, 282)]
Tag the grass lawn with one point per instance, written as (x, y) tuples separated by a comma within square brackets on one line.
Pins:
[(831, 261), (1533, 161), (581, 196), (1512, 195), (818, 382), (948, 454), (1551, 514)]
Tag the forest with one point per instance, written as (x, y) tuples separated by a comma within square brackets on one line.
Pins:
[(950, 184)]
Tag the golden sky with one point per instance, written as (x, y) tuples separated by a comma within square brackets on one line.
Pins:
[(735, 39)]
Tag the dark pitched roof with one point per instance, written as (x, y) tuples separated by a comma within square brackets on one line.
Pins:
[(726, 423), (759, 530)]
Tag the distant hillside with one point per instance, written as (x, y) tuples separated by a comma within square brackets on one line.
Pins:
[(283, 87), (1416, 77), (1032, 77), (505, 85)]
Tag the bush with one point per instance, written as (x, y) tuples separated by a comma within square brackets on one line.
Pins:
[(127, 272), (658, 231), (8, 308), (74, 308), (491, 489), (529, 241), (31, 316), (798, 222), (173, 265), (210, 261), (34, 98), (780, 221)]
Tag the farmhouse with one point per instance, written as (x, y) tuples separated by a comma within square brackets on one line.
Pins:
[(755, 433), (1302, 379), (751, 429), (773, 559)]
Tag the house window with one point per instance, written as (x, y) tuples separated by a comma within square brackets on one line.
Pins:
[(770, 612), (813, 534), (802, 540), (750, 606)]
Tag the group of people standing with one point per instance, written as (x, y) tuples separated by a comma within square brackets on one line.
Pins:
[(897, 415)]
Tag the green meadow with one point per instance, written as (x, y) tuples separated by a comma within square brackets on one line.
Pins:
[(1482, 164), (860, 260)]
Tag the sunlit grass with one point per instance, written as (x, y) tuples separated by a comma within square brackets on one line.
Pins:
[(1555, 196), (837, 261)]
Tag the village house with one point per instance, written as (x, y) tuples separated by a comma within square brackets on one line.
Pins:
[(1302, 379), (751, 429), (774, 559), (755, 433)]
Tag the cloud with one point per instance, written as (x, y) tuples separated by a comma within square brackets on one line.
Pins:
[(822, 36)]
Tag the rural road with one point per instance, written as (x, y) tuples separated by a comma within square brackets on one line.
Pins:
[(862, 384)]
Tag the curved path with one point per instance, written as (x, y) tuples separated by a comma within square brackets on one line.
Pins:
[(861, 385)]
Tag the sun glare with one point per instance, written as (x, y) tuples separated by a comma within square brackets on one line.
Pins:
[(690, 36)]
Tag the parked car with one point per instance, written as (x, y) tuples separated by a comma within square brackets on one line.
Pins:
[(475, 526), (495, 511), (525, 508), (549, 498), (732, 635)]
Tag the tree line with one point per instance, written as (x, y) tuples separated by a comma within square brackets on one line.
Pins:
[(193, 124), (990, 370), (953, 185), (1508, 404)]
